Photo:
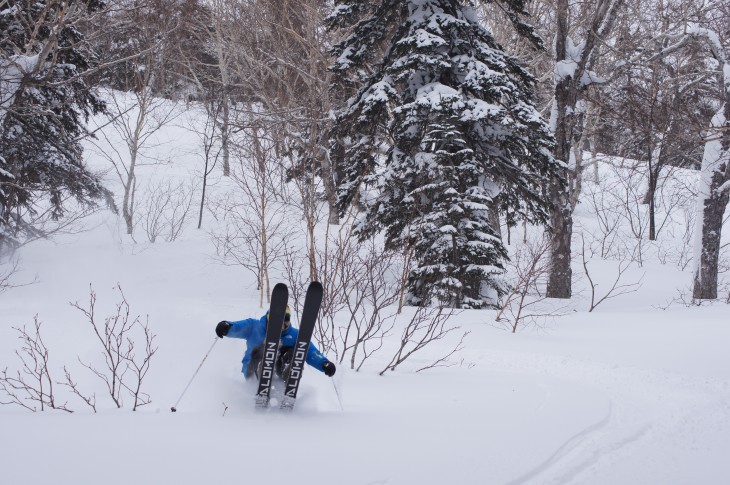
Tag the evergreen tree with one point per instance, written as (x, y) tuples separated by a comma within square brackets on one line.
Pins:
[(455, 116), (44, 102)]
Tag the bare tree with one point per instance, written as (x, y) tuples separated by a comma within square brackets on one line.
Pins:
[(372, 292), (655, 105), (601, 204), (427, 326), (339, 271), (211, 150), (90, 400), (126, 361), (621, 220), (612, 57), (32, 387), (256, 220), (281, 66), (164, 210), (136, 121), (618, 288), (361, 282), (528, 269), (308, 204), (627, 193), (223, 101), (210, 65), (298, 281), (264, 67), (140, 36), (681, 255)]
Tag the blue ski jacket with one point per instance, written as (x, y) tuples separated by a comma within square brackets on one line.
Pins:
[(253, 330)]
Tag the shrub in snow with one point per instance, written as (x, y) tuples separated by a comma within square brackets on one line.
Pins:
[(127, 347)]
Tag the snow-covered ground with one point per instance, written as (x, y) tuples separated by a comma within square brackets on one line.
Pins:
[(635, 392)]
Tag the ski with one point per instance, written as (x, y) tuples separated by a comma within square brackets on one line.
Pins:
[(277, 309), (312, 302)]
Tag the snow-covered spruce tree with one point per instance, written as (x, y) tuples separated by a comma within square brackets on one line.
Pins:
[(455, 118), (44, 101)]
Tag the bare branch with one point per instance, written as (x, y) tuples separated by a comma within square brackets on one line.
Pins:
[(426, 326), (89, 400), (617, 288), (118, 337), (33, 383), (528, 269)]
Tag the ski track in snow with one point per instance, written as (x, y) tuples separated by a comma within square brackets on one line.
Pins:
[(564, 450), (648, 409)]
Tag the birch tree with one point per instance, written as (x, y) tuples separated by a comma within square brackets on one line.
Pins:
[(714, 186), (137, 117)]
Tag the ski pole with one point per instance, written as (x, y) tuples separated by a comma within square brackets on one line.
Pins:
[(342, 409), (174, 408)]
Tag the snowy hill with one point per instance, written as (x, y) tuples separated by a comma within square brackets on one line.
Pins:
[(634, 392)]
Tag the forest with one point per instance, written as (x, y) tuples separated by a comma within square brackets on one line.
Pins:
[(515, 210), (442, 126)]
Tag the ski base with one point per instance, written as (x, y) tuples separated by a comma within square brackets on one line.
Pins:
[(312, 302), (277, 309)]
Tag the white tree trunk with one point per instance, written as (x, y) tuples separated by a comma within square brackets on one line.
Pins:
[(711, 204)]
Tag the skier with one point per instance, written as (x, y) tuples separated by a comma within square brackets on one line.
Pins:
[(253, 330)]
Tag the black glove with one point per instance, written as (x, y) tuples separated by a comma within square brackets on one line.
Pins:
[(222, 328), (329, 369)]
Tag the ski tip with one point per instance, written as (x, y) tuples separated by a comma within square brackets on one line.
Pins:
[(280, 286), (315, 284)]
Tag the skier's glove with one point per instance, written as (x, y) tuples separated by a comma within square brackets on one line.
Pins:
[(222, 328), (329, 369)]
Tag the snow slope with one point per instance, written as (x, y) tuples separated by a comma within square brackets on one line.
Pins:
[(627, 394)]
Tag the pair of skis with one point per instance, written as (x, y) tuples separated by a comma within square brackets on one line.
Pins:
[(277, 310)]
